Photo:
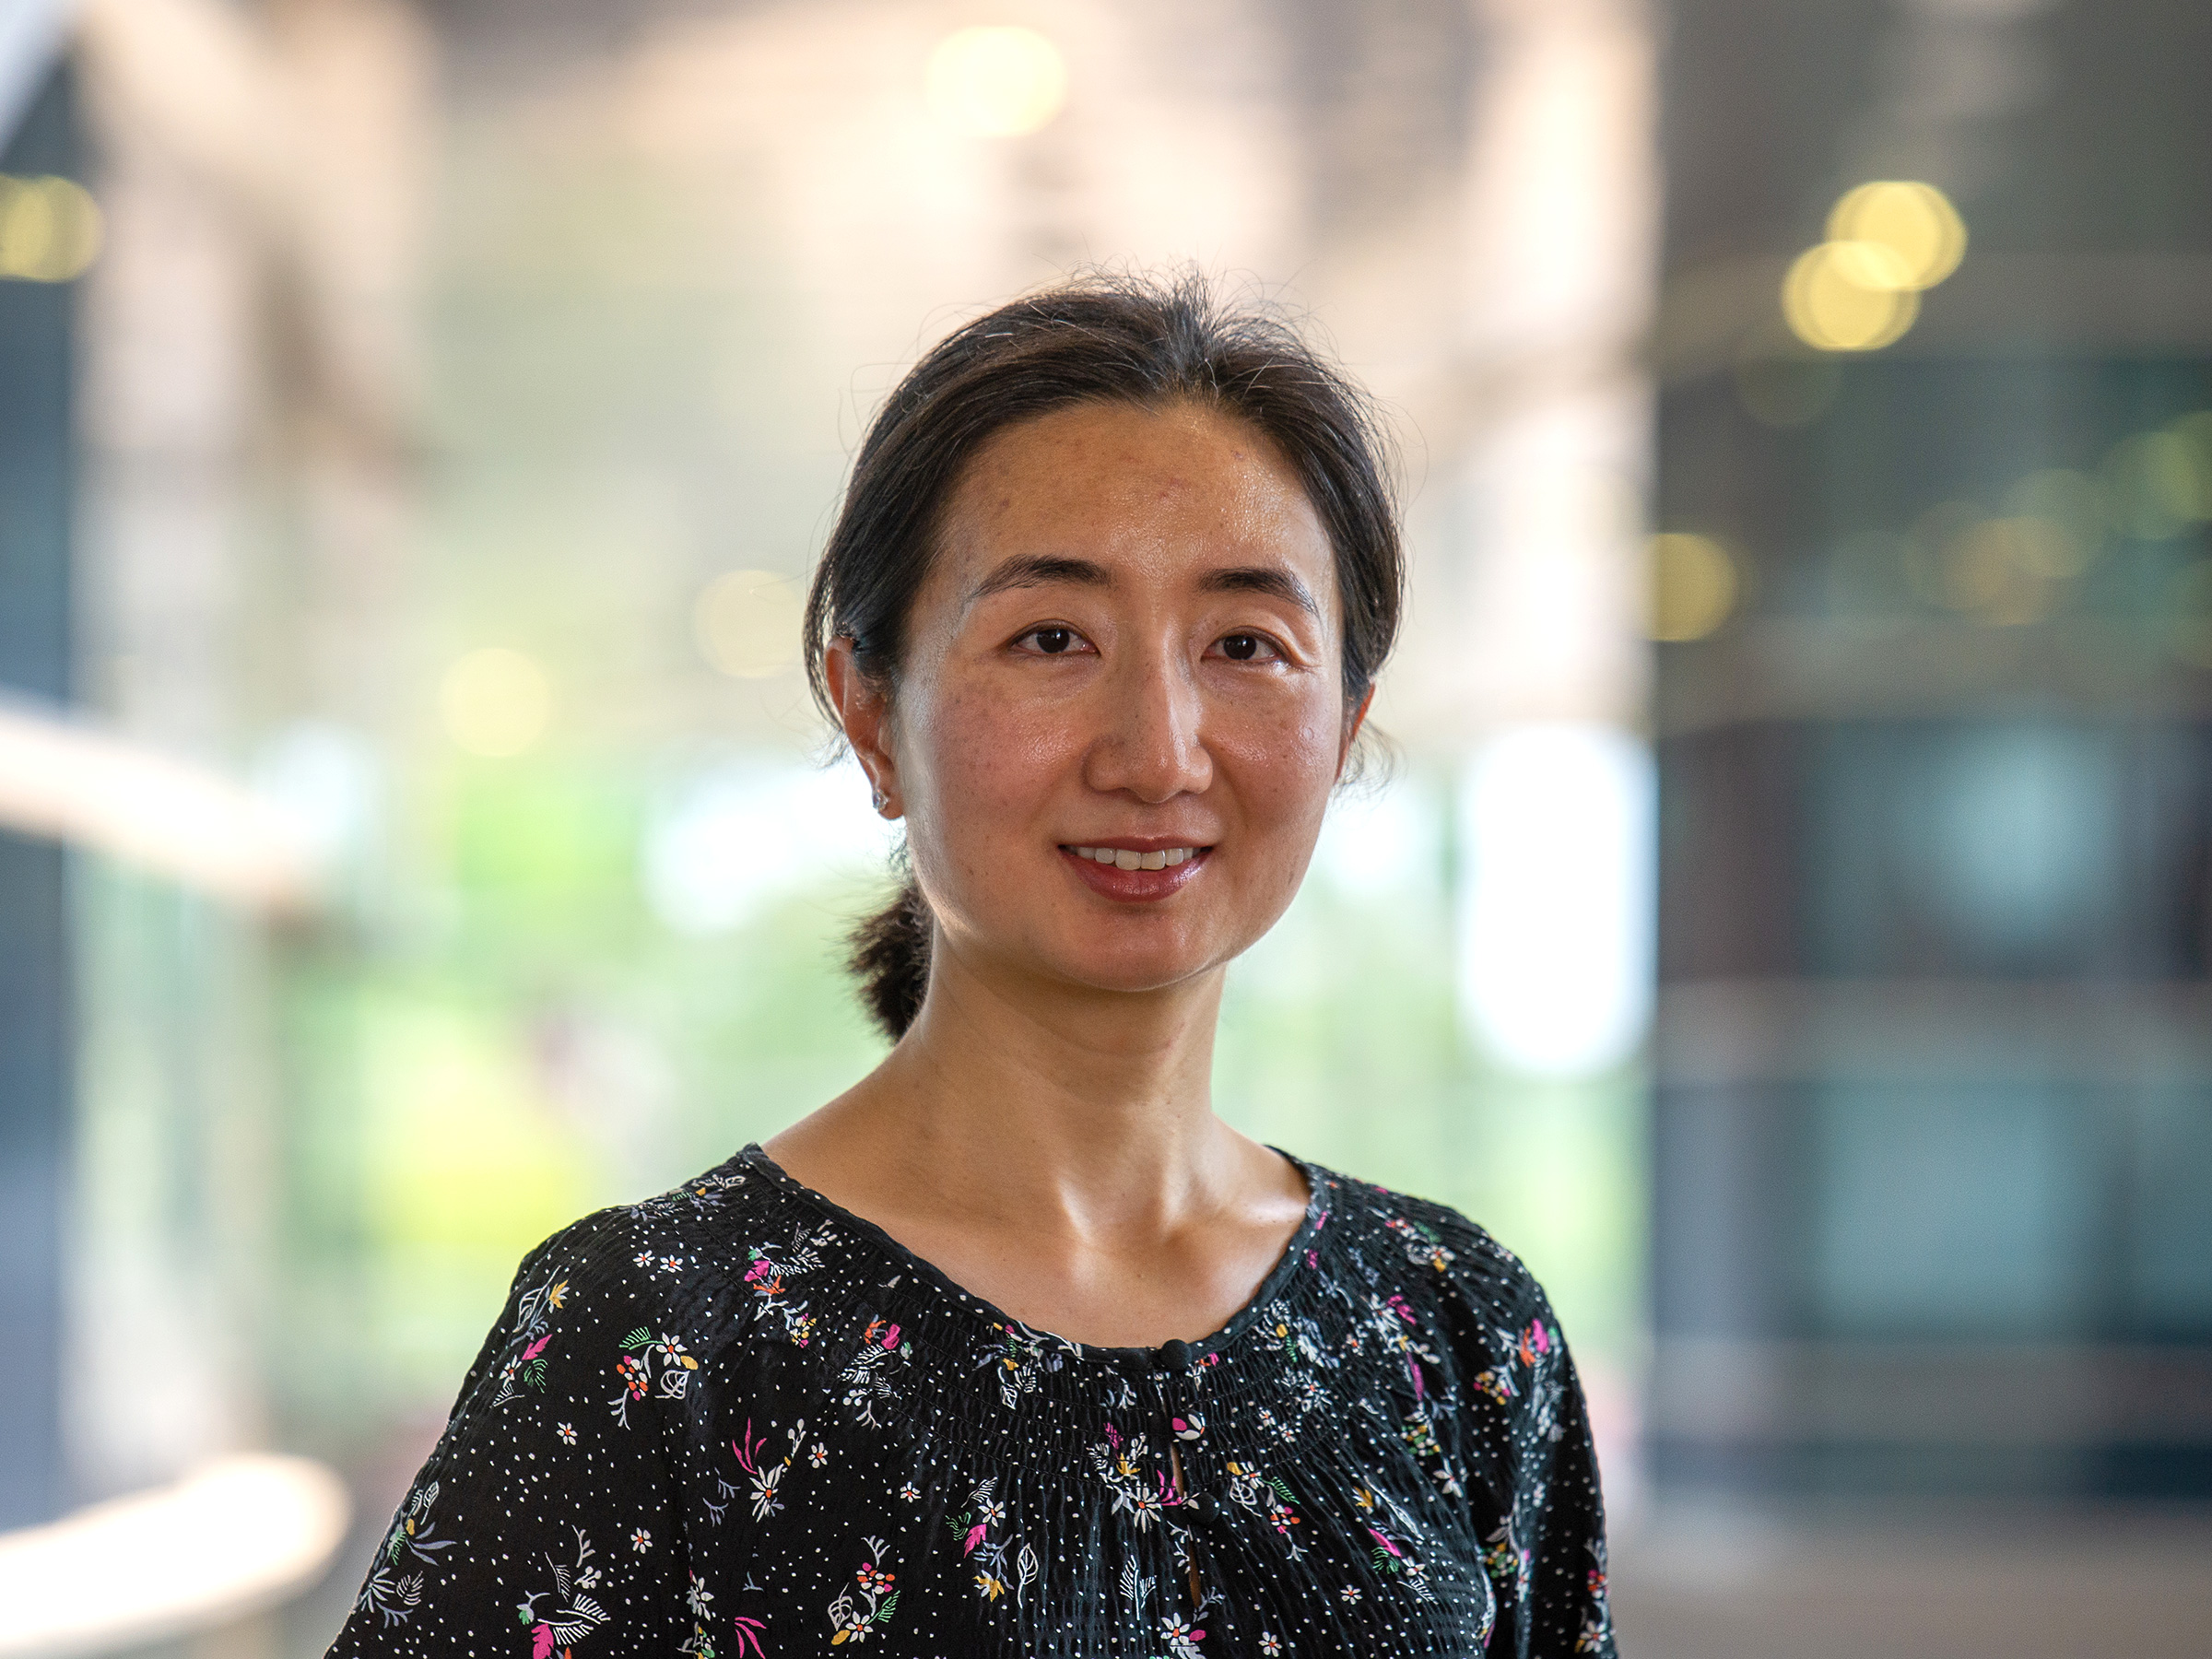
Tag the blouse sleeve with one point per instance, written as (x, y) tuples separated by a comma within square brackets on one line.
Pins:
[(1547, 1558), (546, 1521)]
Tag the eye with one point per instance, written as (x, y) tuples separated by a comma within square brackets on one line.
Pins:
[(1248, 648), (1053, 641)]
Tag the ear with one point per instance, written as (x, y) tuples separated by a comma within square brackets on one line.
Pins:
[(864, 712), (1353, 721)]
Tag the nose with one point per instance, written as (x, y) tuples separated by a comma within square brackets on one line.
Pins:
[(1152, 741)]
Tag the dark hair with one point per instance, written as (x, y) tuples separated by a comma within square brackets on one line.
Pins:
[(1097, 339)]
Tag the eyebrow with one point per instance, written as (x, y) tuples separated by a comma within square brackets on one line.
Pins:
[(1037, 569), (1271, 579)]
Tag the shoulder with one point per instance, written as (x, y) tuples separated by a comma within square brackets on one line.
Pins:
[(1423, 1245), (657, 1261)]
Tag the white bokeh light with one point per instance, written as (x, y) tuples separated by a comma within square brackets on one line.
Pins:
[(736, 838), (1555, 903), (1381, 842)]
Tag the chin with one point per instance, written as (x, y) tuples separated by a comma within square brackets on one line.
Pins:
[(1133, 964)]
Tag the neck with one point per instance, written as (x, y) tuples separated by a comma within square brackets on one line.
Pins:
[(1061, 1107)]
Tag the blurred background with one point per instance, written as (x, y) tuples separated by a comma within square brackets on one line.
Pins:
[(1788, 922)]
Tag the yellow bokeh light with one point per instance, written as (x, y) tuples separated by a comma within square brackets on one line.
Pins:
[(1848, 296), (2157, 484), (1915, 221), (495, 702), (996, 82), (50, 228), (2002, 570), (747, 622), (1693, 587)]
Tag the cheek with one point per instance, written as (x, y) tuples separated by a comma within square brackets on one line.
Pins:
[(981, 762), (1285, 763)]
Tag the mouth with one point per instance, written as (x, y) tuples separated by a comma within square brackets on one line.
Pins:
[(1132, 871), (1138, 858)]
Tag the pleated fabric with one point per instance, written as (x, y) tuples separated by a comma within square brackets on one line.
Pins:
[(737, 1420)]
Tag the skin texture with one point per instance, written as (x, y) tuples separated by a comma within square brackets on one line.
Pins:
[(1130, 636)]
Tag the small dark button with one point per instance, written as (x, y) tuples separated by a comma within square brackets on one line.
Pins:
[(1175, 1356)]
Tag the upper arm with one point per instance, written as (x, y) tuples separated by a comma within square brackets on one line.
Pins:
[(1544, 1531), (1558, 1496), (546, 1519)]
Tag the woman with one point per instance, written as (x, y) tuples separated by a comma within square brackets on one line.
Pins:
[(1015, 1348)]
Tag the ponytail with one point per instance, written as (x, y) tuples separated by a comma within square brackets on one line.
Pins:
[(891, 960)]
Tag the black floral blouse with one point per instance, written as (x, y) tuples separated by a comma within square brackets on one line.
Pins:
[(737, 1422)]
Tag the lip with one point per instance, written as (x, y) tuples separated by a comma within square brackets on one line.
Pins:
[(1136, 886)]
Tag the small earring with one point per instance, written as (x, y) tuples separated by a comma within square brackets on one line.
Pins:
[(878, 795)]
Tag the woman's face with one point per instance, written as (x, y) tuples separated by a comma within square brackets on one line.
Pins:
[(1127, 653)]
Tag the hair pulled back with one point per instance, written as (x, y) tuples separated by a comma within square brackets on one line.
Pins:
[(1104, 339)]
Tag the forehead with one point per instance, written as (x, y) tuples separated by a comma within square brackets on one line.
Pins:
[(1181, 485)]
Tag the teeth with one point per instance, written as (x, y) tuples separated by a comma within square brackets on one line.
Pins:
[(1126, 859)]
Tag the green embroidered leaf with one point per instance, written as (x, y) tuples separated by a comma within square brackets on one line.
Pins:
[(884, 1612), (637, 1338)]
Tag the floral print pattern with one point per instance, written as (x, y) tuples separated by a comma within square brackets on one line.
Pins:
[(392, 1592), (807, 1438), (987, 1554), (866, 1603), (568, 1614), (649, 1362), (765, 1478)]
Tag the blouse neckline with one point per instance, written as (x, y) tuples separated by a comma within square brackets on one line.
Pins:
[(1270, 1290)]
